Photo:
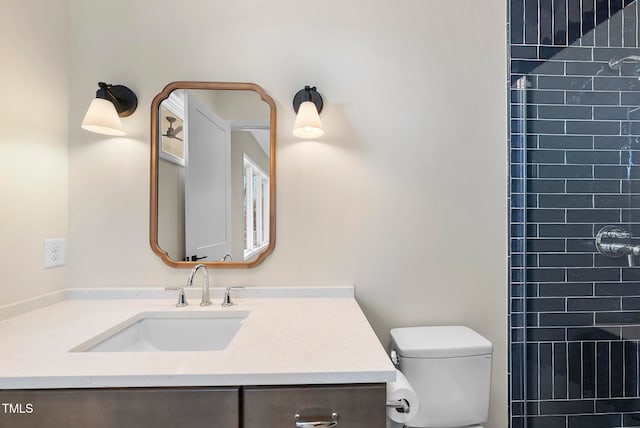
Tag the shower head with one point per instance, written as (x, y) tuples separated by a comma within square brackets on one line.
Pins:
[(615, 64)]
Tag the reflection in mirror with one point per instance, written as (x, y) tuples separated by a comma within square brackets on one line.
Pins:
[(212, 174)]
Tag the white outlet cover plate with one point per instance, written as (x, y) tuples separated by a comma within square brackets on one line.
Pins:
[(53, 252)]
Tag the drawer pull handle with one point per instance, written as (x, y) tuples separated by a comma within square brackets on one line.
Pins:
[(302, 423)]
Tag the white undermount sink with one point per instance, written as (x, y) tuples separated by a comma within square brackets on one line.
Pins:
[(168, 331)]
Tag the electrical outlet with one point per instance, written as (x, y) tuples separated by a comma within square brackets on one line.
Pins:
[(53, 252)]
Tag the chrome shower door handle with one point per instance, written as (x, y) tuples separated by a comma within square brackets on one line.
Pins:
[(315, 421)]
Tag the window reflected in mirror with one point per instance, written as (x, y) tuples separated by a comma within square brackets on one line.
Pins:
[(255, 202)]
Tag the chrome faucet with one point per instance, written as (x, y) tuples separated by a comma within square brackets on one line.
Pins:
[(226, 300), (205, 301), (182, 298)]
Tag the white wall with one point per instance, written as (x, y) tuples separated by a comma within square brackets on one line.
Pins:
[(34, 96), (404, 196)]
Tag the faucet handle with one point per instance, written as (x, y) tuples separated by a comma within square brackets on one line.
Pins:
[(182, 298), (226, 300)]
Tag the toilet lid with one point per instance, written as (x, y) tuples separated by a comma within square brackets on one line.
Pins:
[(439, 342)]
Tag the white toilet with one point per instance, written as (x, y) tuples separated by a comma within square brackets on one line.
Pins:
[(449, 368)]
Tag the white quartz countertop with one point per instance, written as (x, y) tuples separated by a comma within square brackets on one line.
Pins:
[(319, 340)]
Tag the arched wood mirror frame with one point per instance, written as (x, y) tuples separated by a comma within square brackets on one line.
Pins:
[(156, 134)]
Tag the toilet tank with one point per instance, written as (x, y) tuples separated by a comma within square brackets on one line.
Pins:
[(449, 368)]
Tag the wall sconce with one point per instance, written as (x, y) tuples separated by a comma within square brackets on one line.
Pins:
[(110, 104), (307, 103)]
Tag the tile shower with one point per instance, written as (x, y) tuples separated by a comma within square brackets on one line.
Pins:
[(574, 168)]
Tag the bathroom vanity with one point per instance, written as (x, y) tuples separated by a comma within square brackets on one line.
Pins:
[(301, 358), (357, 406)]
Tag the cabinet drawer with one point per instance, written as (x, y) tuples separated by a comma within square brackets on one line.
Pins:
[(356, 406), (120, 408)]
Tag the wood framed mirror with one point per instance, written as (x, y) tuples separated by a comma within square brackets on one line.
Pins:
[(213, 175)]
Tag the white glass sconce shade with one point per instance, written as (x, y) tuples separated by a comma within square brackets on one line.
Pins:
[(102, 118), (111, 103), (307, 123), (308, 103)]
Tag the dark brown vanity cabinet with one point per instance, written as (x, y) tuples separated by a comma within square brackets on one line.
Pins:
[(120, 408), (342, 406)]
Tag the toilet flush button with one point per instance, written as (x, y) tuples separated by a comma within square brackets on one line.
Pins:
[(394, 357)]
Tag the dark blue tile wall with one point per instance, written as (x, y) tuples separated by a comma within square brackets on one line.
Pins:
[(559, 23), (574, 167)]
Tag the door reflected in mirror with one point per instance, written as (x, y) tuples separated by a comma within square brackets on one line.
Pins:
[(213, 174)]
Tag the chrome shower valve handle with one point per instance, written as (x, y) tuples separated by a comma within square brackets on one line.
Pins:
[(614, 241)]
